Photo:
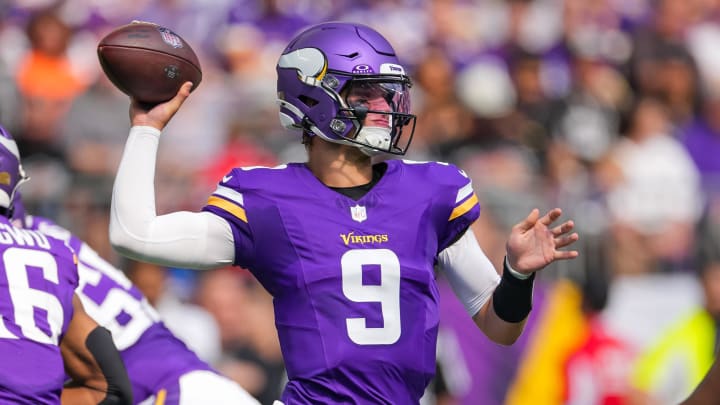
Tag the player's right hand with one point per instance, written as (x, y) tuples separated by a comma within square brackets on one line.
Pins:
[(158, 115), (534, 242)]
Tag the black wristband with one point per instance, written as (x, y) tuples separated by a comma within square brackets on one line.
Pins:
[(512, 298), (119, 391)]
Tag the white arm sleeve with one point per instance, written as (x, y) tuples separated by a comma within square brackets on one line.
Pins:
[(470, 273), (198, 240)]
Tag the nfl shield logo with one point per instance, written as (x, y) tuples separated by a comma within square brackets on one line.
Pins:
[(358, 213), (170, 38)]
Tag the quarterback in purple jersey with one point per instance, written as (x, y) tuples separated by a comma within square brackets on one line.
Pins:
[(44, 330), (347, 247), (158, 363)]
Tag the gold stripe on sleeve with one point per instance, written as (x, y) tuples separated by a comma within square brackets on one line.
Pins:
[(226, 205), (464, 207), (160, 397)]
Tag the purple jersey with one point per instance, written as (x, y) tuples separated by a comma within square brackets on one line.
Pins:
[(153, 356), (356, 303), (38, 276)]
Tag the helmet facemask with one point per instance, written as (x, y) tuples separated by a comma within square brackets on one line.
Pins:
[(378, 108)]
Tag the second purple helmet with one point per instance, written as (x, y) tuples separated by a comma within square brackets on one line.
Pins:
[(326, 63), (11, 171)]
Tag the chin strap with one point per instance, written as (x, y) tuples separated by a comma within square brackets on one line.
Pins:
[(375, 137)]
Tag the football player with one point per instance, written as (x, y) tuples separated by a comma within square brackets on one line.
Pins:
[(44, 330), (347, 247), (161, 367)]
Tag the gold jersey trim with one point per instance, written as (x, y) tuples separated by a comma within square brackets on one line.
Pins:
[(228, 206), (160, 397), (464, 207)]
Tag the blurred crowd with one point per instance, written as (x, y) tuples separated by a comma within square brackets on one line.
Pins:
[(609, 109)]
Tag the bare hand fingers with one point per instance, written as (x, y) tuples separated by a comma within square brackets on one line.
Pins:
[(565, 254), (186, 88), (563, 228), (551, 216), (529, 221), (181, 96), (160, 114), (566, 240)]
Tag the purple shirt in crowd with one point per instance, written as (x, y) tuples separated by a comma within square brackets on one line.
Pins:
[(703, 144)]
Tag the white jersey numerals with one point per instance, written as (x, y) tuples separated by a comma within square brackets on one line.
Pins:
[(104, 293), (25, 299), (387, 293)]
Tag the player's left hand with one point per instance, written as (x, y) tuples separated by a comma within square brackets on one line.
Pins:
[(533, 244)]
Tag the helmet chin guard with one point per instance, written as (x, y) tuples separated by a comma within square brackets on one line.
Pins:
[(377, 138), (343, 82)]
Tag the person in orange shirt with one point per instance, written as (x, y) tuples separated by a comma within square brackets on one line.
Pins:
[(46, 70), (48, 83)]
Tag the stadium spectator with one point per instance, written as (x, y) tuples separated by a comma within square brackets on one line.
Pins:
[(48, 83)]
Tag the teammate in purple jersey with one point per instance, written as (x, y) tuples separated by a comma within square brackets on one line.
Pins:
[(44, 330), (347, 248), (158, 363)]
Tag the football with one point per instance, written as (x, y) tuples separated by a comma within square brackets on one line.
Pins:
[(148, 62)]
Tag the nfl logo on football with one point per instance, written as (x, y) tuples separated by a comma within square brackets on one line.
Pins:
[(170, 38), (358, 213)]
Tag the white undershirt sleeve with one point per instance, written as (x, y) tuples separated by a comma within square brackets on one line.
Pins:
[(198, 240), (470, 273)]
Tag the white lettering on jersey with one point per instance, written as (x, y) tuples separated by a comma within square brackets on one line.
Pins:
[(10, 235)]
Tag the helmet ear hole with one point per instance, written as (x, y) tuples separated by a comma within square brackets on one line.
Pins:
[(308, 101)]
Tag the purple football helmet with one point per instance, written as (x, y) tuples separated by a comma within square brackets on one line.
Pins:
[(344, 83), (11, 171)]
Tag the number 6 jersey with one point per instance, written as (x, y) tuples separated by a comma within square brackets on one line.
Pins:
[(38, 276), (356, 304), (153, 356)]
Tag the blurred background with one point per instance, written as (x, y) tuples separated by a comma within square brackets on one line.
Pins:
[(609, 109)]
